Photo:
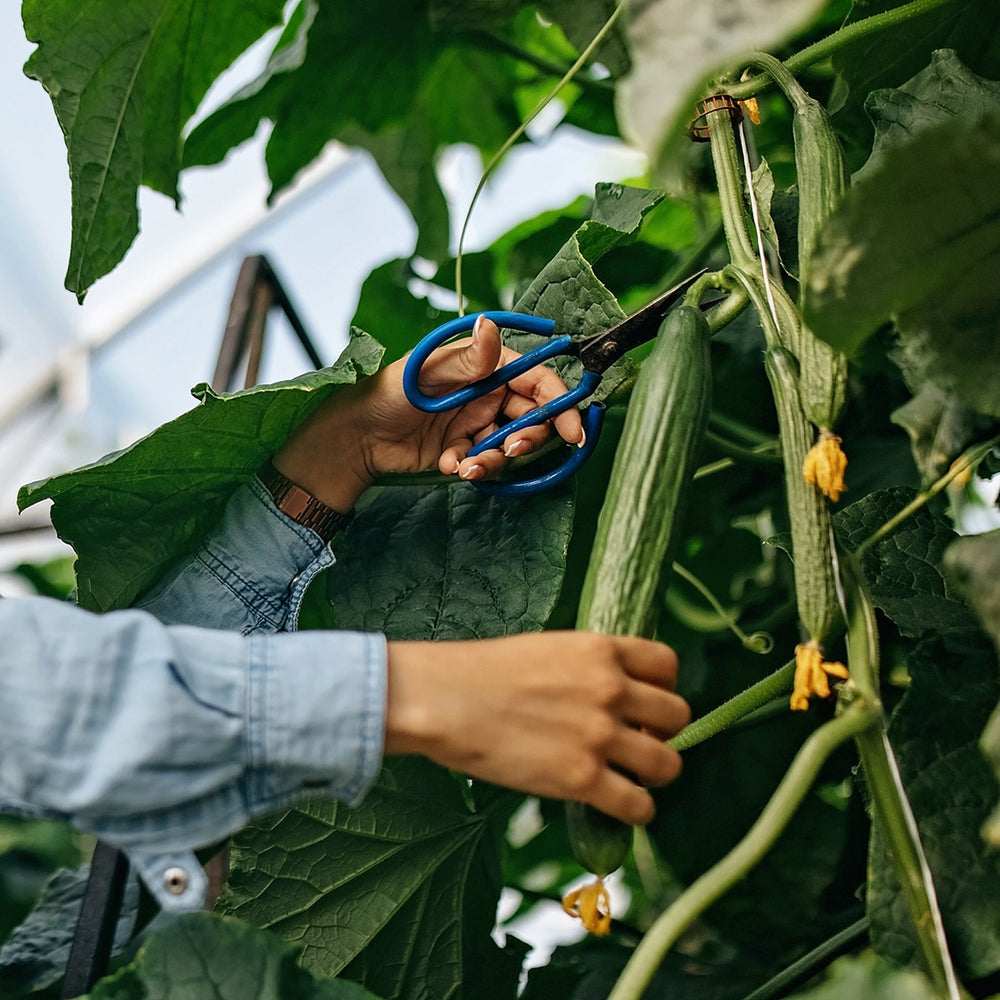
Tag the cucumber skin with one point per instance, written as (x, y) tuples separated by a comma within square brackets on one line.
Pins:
[(600, 842), (637, 528)]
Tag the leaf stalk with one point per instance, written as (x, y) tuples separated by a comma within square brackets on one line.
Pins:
[(779, 810)]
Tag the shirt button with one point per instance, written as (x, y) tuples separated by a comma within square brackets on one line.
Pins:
[(176, 881)]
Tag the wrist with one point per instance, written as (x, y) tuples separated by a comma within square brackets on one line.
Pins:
[(325, 456)]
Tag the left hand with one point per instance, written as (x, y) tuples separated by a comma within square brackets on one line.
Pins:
[(370, 428)]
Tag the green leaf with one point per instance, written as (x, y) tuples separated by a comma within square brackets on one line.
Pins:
[(887, 58), (973, 563), (904, 569), (202, 956), (934, 733), (931, 270), (133, 513), (946, 89), (99, 63), (35, 954), (378, 891), (453, 564), (867, 977), (677, 47), (940, 427), (434, 87), (567, 289)]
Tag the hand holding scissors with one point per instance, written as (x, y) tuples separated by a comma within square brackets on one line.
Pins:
[(597, 352)]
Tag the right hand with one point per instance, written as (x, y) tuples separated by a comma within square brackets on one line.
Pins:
[(555, 714)]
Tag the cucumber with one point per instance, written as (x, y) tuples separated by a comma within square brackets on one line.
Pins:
[(637, 528), (638, 525)]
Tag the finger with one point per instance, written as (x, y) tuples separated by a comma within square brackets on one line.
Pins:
[(644, 757), (648, 660), (616, 795), (456, 365), (649, 707), (541, 385)]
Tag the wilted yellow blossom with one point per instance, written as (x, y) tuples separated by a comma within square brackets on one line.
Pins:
[(751, 109), (592, 904), (812, 674), (825, 464)]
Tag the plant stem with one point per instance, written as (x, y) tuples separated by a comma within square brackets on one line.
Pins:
[(729, 177), (736, 708), (804, 968), (969, 459), (826, 47), (759, 642), (519, 131), (892, 813), (746, 854)]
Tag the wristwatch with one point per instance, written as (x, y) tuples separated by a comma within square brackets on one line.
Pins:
[(300, 506)]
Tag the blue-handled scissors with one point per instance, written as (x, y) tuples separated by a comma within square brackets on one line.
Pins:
[(597, 352)]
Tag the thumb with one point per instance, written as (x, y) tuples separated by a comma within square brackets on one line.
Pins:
[(459, 364)]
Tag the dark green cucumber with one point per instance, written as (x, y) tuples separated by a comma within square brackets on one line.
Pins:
[(638, 525), (637, 528)]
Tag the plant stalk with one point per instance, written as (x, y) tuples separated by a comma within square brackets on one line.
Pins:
[(736, 708), (705, 890), (968, 460), (839, 39), (892, 812)]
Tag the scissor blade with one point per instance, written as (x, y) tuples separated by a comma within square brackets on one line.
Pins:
[(600, 351)]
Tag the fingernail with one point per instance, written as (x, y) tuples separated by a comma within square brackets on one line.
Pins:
[(476, 329), (457, 464), (583, 438), (517, 447), (473, 472)]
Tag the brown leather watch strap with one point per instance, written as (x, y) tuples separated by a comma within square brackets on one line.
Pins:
[(300, 506)]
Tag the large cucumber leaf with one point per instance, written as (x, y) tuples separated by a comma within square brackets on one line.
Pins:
[(133, 513), (398, 893), (124, 79), (202, 956), (935, 171)]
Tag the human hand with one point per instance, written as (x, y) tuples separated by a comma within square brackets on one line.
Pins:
[(370, 428), (556, 714)]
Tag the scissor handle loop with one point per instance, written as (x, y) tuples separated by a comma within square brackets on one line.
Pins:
[(593, 422), (463, 324)]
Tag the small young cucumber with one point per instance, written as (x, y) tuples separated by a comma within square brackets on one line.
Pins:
[(821, 173), (600, 842)]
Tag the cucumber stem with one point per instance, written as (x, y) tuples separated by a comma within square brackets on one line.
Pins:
[(779, 810), (969, 459), (842, 37), (891, 808), (518, 132), (736, 708)]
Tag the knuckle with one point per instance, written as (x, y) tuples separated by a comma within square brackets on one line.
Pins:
[(580, 774)]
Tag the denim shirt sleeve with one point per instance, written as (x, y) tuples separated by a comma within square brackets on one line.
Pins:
[(163, 728)]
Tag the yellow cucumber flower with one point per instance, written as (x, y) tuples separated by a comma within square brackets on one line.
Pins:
[(812, 674), (592, 904), (824, 465)]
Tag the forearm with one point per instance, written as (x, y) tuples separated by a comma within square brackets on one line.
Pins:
[(171, 737)]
